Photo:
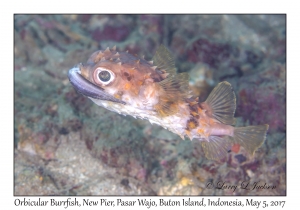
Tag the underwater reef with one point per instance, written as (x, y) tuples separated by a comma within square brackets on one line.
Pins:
[(66, 145)]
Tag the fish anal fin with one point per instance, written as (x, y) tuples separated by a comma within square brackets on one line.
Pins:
[(164, 60), (221, 103), (217, 147)]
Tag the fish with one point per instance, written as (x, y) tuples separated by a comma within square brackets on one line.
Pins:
[(153, 90)]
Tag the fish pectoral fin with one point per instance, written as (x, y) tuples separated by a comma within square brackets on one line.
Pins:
[(172, 91), (250, 137), (164, 60), (217, 147), (176, 84), (221, 103)]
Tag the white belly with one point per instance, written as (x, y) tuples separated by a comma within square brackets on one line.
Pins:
[(175, 123)]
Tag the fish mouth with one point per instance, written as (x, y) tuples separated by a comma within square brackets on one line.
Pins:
[(86, 88)]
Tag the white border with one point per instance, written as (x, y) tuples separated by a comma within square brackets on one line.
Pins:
[(153, 6)]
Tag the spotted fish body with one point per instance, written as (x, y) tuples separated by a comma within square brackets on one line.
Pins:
[(152, 90)]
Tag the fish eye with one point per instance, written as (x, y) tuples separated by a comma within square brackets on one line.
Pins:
[(104, 76)]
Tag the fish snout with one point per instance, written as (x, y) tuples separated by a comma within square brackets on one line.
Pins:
[(87, 88)]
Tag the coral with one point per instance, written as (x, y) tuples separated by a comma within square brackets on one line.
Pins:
[(77, 102), (241, 158), (121, 146), (261, 106), (151, 24), (183, 187), (264, 104), (211, 53), (111, 33), (41, 144)]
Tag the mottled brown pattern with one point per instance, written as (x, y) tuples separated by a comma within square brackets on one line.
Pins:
[(153, 89), (134, 74), (192, 123)]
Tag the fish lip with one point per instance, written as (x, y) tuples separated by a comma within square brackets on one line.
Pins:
[(86, 88)]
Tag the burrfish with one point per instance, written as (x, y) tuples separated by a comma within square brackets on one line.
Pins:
[(152, 90)]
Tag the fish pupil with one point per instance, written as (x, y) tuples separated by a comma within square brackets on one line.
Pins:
[(104, 76)]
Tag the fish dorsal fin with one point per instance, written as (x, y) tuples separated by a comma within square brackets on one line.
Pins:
[(221, 103), (164, 60), (173, 90)]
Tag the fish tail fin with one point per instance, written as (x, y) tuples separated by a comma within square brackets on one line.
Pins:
[(250, 137)]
